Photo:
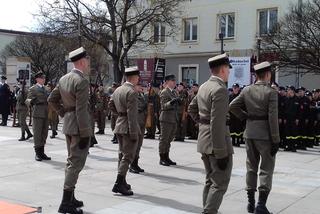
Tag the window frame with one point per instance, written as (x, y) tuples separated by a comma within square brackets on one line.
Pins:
[(268, 10), (227, 23), (181, 66), (160, 36), (184, 22)]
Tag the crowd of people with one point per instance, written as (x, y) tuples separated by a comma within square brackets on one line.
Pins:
[(266, 116)]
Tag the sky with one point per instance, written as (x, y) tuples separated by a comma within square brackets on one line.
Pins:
[(17, 14)]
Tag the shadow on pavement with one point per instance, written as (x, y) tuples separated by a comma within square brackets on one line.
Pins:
[(101, 158), (189, 168), (170, 179), (166, 202)]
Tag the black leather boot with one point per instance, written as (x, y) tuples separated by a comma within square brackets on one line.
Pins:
[(38, 156), (261, 206), (114, 139), (138, 167), (120, 186), (169, 160), (66, 205), (76, 202), (251, 201), (29, 134), (163, 160), (134, 167), (43, 155), (22, 138)]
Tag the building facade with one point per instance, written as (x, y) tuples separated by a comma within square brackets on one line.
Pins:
[(241, 23)]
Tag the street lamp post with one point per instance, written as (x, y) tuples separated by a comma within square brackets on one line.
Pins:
[(221, 37), (259, 48)]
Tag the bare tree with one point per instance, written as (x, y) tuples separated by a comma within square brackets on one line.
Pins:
[(296, 39), (115, 25), (47, 54)]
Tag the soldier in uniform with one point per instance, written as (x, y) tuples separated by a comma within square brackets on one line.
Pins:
[(70, 100), (261, 134), (101, 108), (291, 119), (4, 100), (37, 98), (153, 112), (316, 100), (52, 117), (192, 126), (113, 115), (304, 111), (210, 109), (236, 130), (124, 101), (168, 119), (142, 114), (182, 113), (22, 110), (282, 98)]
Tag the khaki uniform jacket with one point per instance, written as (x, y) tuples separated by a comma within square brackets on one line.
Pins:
[(211, 104), (142, 109), (21, 99), (73, 91), (169, 113), (259, 100), (37, 97), (124, 101)]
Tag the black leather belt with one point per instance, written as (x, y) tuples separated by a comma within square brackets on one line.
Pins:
[(122, 114), (71, 109), (255, 117)]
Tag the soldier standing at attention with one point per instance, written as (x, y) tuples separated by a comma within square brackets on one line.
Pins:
[(124, 101), (4, 100), (210, 109), (37, 97), (73, 91), (168, 119), (101, 108), (261, 134), (22, 110), (142, 114)]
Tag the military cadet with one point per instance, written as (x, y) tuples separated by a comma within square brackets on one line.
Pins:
[(124, 101), (168, 119), (192, 126), (236, 129), (310, 126), (153, 111), (260, 102), (101, 109), (291, 119), (282, 98), (37, 98), (4, 100), (52, 116), (210, 109), (316, 98), (113, 114), (304, 111), (182, 113), (142, 114), (22, 110), (70, 100)]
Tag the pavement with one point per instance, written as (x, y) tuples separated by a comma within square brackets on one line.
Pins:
[(160, 190)]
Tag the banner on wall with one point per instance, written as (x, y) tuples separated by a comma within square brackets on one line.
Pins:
[(240, 72)]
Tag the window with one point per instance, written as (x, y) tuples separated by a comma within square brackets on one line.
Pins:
[(227, 25), (159, 33), (267, 20), (190, 29), (189, 74)]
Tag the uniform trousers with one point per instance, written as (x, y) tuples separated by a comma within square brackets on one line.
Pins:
[(259, 152), (168, 132), (40, 131), (76, 160), (217, 182), (127, 152)]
